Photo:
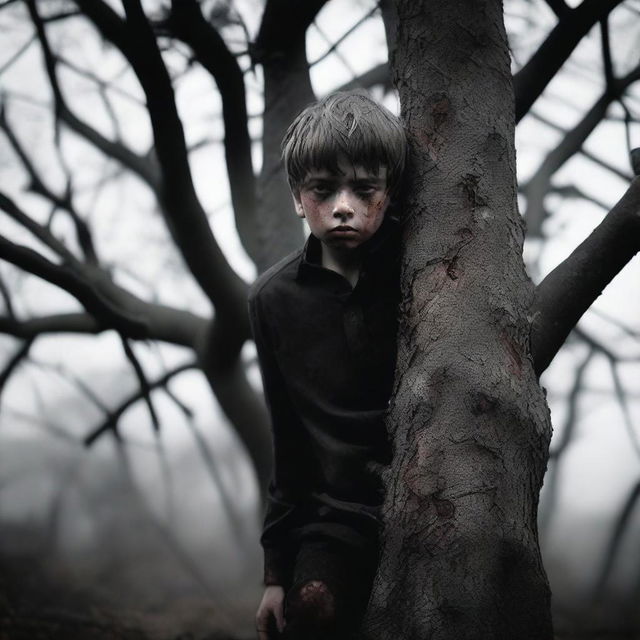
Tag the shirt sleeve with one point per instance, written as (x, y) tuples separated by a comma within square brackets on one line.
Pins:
[(291, 474)]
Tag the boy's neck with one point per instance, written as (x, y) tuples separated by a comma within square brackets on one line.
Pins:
[(345, 262)]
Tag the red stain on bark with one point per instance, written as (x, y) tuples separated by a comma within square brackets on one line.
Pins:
[(514, 360)]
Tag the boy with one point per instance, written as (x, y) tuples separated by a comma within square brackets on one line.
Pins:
[(324, 322)]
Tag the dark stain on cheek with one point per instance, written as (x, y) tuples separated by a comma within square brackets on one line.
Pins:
[(373, 206)]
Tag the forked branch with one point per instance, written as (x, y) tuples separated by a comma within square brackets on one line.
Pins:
[(570, 289)]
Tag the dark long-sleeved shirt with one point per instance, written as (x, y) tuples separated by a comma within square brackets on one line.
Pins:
[(327, 356)]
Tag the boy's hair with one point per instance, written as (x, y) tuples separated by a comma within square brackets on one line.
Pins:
[(349, 124)]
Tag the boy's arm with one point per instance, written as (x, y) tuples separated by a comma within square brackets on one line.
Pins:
[(291, 474)]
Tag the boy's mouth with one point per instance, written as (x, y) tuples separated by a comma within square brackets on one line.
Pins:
[(343, 228)]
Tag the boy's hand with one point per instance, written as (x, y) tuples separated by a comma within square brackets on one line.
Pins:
[(271, 609)]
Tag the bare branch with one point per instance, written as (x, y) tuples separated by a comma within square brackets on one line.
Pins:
[(570, 424), (606, 54), (345, 35), (187, 23), (13, 363), (583, 152), (37, 185), (74, 380), (6, 297), (379, 75), (559, 7), (345, 63), (280, 48), (622, 400), (82, 323), (163, 323), (139, 165), (39, 231), (63, 15), (571, 419), (102, 84), (531, 80), (537, 187), (621, 526), (68, 279), (17, 54), (570, 289), (571, 191), (614, 321), (111, 423), (186, 219), (145, 389)]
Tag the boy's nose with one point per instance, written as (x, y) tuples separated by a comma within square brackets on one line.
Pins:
[(342, 207)]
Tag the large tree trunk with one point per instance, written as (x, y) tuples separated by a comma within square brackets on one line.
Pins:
[(469, 421)]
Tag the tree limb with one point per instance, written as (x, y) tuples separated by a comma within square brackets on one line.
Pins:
[(187, 23), (570, 289), (609, 74), (621, 525), (537, 187), (111, 423), (559, 7), (573, 25), (280, 49), (378, 75), (6, 298), (37, 185), (39, 231), (68, 279), (587, 154), (162, 323), (14, 361), (185, 217), (60, 323), (139, 165), (345, 35), (145, 388)]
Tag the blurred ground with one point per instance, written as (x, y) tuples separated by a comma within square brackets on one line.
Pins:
[(37, 604)]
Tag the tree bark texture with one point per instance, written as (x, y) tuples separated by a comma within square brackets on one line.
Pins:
[(469, 422)]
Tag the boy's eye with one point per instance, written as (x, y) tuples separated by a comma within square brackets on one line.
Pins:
[(321, 190)]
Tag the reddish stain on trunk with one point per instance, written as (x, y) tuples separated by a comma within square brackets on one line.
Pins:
[(514, 360)]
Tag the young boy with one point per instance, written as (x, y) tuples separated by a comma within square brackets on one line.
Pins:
[(324, 322)]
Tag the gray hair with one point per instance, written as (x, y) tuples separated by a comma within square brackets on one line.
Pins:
[(348, 124)]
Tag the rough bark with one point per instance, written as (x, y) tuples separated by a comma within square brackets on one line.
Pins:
[(469, 422)]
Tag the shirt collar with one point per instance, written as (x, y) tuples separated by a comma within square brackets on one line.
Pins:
[(311, 256)]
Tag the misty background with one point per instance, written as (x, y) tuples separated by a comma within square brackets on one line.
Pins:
[(158, 528)]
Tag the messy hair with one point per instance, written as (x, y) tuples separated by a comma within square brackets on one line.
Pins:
[(348, 124)]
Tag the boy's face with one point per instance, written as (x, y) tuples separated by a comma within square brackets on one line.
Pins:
[(343, 209)]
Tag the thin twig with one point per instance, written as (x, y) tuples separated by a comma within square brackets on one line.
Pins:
[(345, 35)]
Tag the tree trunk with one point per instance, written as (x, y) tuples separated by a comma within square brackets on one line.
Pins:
[(469, 422)]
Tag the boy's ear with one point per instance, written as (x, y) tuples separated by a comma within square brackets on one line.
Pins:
[(298, 204)]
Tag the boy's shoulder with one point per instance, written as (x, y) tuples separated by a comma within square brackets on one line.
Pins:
[(283, 272)]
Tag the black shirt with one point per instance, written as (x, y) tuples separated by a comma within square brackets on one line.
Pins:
[(327, 356)]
